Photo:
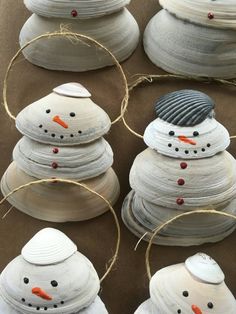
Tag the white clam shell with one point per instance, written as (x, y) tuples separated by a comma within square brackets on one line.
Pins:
[(224, 11), (181, 47), (50, 256), (211, 133), (142, 217), (155, 178), (88, 123), (205, 268), (60, 202), (72, 90), (48, 246), (80, 162), (84, 8), (118, 32)]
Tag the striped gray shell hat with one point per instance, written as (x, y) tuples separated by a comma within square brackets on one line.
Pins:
[(185, 107)]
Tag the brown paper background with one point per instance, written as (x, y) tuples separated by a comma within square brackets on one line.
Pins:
[(127, 285)]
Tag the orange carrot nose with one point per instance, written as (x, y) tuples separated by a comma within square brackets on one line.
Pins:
[(41, 294), (58, 120), (196, 309), (184, 139)]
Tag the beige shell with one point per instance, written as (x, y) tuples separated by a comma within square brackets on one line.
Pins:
[(174, 290), (182, 47), (222, 13), (81, 9), (80, 162), (118, 32), (62, 120), (60, 202)]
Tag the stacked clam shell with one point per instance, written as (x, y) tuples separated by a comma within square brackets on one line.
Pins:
[(108, 22), (194, 38), (51, 276), (196, 286), (185, 168), (62, 139)]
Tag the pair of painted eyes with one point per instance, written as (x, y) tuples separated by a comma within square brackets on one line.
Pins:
[(54, 283), (72, 114), (172, 133), (186, 294)]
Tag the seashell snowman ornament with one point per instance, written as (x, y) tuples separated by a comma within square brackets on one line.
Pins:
[(194, 38), (196, 286), (108, 22), (63, 138), (184, 168), (51, 276)]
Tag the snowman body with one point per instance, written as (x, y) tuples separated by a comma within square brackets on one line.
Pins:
[(196, 286), (50, 276), (108, 22), (185, 168), (63, 138), (192, 38)]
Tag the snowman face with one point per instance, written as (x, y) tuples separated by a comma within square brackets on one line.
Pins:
[(63, 120), (175, 291), (200, 141), (56, 287)]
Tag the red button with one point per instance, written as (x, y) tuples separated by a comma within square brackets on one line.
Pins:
[(74, 13), (183, 165), (180, 201), (211, 16), (54, 165), (181, 182), (55, 150)]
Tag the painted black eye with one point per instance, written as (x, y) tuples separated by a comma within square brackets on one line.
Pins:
[(185, 294), (171, 133), (195, 133), (48, 111), (72, 114), (210, 305), (54, 283), (26, 280)]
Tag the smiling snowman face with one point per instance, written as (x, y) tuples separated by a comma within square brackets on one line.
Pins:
[(185, 127), (61, 287), (197, 289), (65, 117)]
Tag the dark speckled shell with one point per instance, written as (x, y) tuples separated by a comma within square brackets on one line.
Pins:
[(185, 107)]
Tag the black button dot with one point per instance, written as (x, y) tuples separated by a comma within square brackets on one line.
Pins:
[(186, 152), (210, 305), (208, 145), (30, 305), (45, 309), (176, 149), (179, 311), (195, 151), (46, 131), (169, 145), (61, 136), (72, 114), (40, 126), (37, 308), (62, 302), (171, 133), (54, 283), (48, 111), (185, 294), (23, 300), (195, 133), (80, 132), (71, 135), (203, 149), (55, 306), (26, 280), (53, 135)]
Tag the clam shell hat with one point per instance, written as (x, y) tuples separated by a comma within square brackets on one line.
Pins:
[(196, 286), (77, 9), (186, 127), (50, 275)]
